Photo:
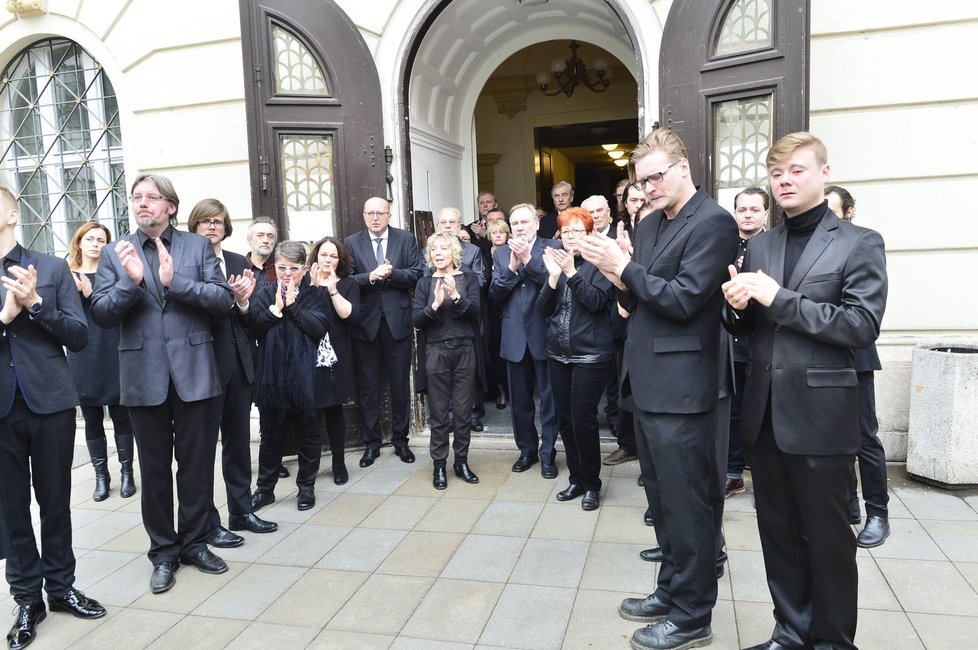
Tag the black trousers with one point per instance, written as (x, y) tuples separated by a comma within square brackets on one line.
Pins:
[(275, 427), (872, 455), (94, 417), (451, 371), (577, 391), (395, 354), (626, 423), (336, 432), (44, 445), (737, 455), (523, 376), (181, 430), (231, 414), (809, 549), (678, 457)]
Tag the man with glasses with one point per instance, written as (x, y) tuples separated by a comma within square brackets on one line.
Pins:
[(671, 372), (160, 286), (386, 264)]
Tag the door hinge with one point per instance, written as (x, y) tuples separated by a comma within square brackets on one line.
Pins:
[(263, 168), (258, 76)]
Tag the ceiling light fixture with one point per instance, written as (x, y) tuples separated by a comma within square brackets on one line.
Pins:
[(616, 154), (621, 162), (571, 73), (609, 147)]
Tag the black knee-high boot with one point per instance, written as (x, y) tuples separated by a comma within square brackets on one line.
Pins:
[(97, 450), (124, 447)]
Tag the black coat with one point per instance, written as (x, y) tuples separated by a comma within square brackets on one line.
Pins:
[(584, 329), (802, 358), (333, 383)]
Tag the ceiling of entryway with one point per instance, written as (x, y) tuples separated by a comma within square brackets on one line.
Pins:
[(470, 38)]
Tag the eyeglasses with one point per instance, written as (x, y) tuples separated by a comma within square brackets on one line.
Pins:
[(149, 198), (375, 214), (208, 223), (655, 178), (577, 232), (292, 270)]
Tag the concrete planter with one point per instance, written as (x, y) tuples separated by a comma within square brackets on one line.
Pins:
[(942, 442)]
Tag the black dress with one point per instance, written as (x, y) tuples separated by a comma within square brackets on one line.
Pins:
[(95, 368), (333, 381)]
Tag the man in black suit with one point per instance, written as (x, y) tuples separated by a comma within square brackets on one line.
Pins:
[(872, 455), (41, 314), (670, 371), (231, 411), (386, 264), (160, 286), (812, 290), (517, 277)]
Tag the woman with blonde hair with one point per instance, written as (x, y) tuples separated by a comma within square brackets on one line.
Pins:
[(95, 369), (446, 313)]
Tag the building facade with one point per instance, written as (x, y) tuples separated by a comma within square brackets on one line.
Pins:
[(302, 109)]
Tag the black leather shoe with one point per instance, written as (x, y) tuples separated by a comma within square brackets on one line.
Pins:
[(591, 500), (221, 537), (163, 577), (648, 517), (875, 532), (340, 475), (261, 498), (771, 645), (548, 470), (439, 477), (666, 636), (855, 516), (369, 456), (206, 561), (252, 523), (282, 471), (24, 630), (644, 610), (651, 554), (524, 463), (572, 491), (477, 425), (77, 604), (641, 481), (405, 454), (464, 472), (306, 500)]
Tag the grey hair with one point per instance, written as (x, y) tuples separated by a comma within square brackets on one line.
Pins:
[(166, 189), (595, 198), (292, 250)]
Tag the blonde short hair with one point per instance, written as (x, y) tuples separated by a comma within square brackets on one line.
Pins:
[(499, 226), (453, 242), (790, 143), (662, 139)]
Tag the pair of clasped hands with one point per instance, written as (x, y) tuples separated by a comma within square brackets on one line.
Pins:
[(21, 291), (242, 285)]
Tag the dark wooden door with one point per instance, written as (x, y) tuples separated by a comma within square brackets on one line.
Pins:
[(733, 79), (315, 134)]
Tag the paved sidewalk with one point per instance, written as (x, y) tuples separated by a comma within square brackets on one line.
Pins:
[(386, 561)]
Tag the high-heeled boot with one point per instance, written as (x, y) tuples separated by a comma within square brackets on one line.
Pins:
[(124, 447), (97, 450), (439, 478), (463, 471)]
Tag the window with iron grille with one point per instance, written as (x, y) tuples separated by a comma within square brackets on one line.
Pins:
[(60, 144)]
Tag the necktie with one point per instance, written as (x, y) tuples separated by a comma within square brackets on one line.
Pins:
[(380, 250), (220, 262)]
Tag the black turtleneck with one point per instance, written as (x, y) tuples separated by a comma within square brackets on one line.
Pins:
[(800, 228)]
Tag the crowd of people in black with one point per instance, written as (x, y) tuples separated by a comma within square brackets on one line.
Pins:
[(704, 334)]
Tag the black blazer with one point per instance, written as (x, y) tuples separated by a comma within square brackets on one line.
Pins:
[(232, 345), (802, 345), (673, 344), (390, 298), (426, 319), (32, 350)]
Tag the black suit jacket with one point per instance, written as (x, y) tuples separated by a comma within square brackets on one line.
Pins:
[(390, 298), (802, 345), (32, 350), (673, 281), (232, 345)]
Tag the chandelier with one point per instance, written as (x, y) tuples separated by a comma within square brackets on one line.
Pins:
[(573, 72)]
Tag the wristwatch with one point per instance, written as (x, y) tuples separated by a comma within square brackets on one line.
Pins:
[(35, 308)]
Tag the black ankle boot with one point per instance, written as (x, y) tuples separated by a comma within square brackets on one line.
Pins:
[(439, 478), (463, 471), (124, 447), (97, 450)]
